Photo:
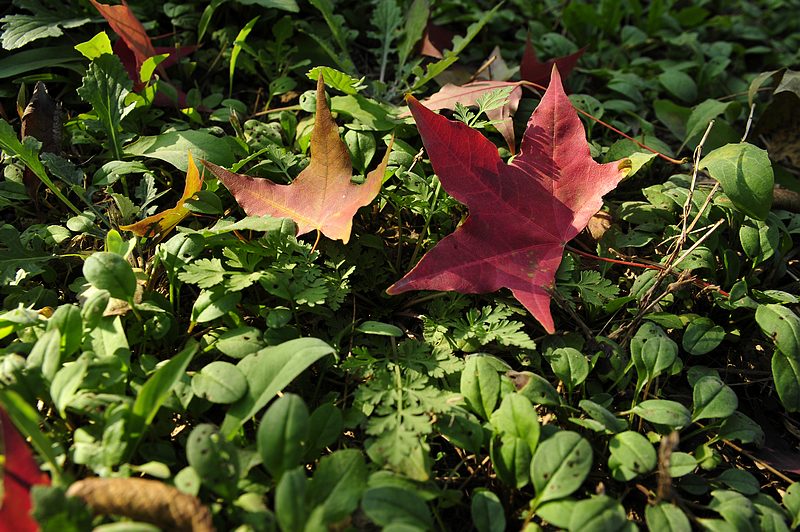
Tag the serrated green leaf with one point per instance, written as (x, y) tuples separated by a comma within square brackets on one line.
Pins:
[(105, 87), (19, 30)]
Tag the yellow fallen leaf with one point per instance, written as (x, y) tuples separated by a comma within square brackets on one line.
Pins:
[(163, 222)]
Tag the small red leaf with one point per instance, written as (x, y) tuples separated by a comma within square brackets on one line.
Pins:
[(127, 26), (20, 472), (435, 41), (521, 214), (322, 197), (531, 69), (135, 47)]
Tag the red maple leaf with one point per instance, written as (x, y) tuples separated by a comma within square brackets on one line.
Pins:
[(19, 473), (322, 197), (533, 70), (521, 214), (135, 47)]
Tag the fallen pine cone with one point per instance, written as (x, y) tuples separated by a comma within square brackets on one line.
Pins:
[(144, 500)]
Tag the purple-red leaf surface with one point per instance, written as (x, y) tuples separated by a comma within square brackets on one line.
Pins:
[(521, 214), (531, 69)]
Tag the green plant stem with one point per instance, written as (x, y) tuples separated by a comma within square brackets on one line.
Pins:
[(425, 227)]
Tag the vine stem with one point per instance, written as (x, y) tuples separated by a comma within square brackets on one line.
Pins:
[(613, 261), (612, 128), (657, 267)]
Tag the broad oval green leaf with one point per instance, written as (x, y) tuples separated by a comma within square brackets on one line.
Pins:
[(702, 336), (557, 512), (517, 417), (213, 458), (602, 415), (327, 421), (380, 329), (569, 365), (786, 374), (666, 517), (631, 455), (268, 372), (213, 304), (679, 84), (663, 412), (740, 427), (337, 485), (283, 433), (46, 354), (67, 319), (791, 500), (480, 385), (387, 505), (740, 480), (701, 115), (652, 352), (220, 382), (560, 465), (487, 511), (291, 510), (681, 464), (173, 147), (537, 389), (782, 326), (759, 240), (712, 398), (240, 342), (111, 272), (66, 382), (511, 458), (746, 176), (600, 513)]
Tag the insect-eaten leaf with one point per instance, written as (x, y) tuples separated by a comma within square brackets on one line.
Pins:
[(322, 197), (521, 214), (164, 221)]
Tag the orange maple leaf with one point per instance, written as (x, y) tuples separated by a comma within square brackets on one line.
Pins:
[(322, 197), (163, 222)]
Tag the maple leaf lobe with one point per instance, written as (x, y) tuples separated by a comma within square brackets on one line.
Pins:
[(521, 214)]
